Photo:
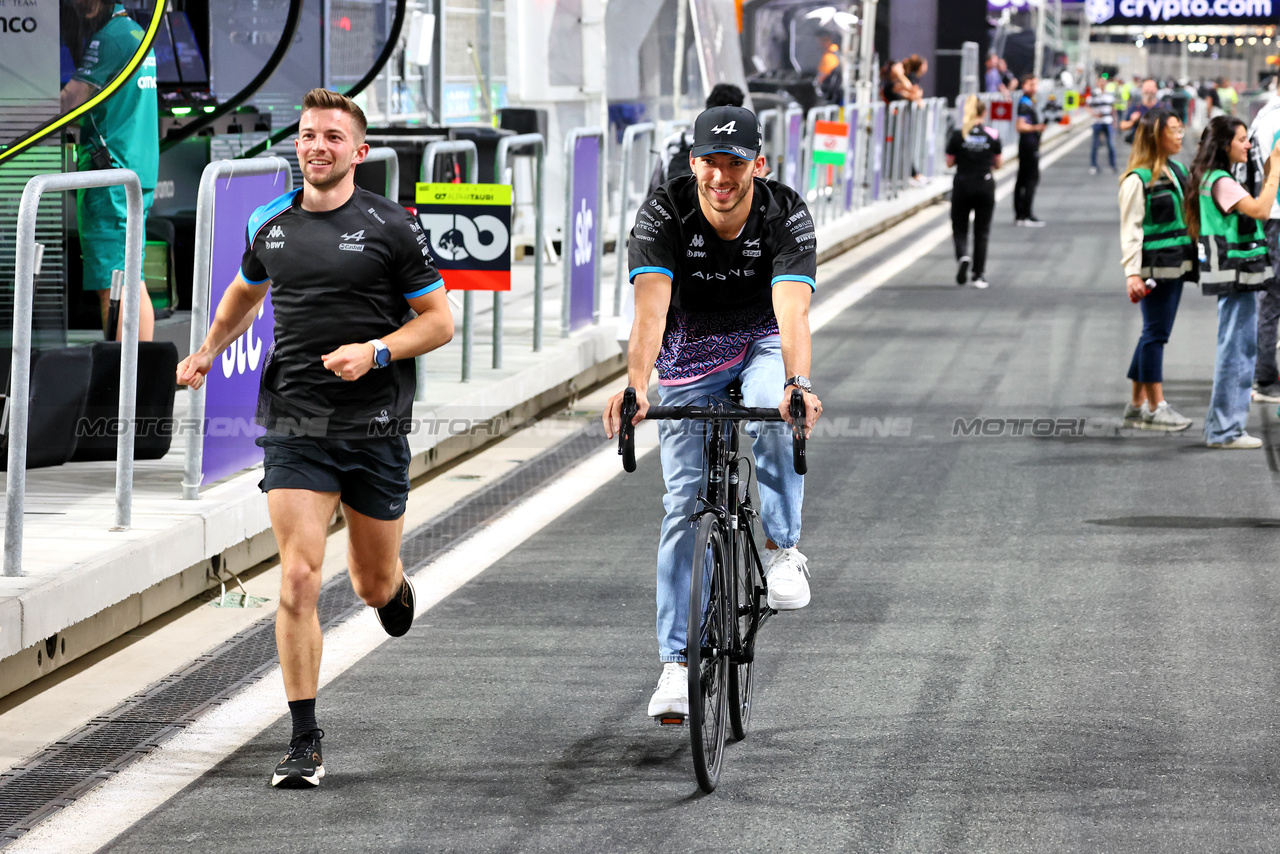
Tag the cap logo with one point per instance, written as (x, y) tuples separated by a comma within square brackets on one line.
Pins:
[(731, 127)]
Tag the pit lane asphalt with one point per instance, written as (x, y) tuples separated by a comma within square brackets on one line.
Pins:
[(1017, 643)]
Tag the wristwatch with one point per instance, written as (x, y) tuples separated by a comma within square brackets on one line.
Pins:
[(381, 355), (800, 381)]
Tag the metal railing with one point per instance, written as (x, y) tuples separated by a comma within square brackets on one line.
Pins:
[(567, 236), (506, 150), (387, 156), (625, 195), (201, 288), (429, 155), (20, 370)]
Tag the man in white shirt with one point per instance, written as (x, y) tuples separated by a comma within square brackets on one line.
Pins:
[(1103, 106), (1266, 377)]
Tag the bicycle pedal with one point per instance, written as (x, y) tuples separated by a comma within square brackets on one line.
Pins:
[(669, 720)]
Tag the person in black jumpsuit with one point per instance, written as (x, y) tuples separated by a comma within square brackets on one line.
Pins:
[(974, 150)]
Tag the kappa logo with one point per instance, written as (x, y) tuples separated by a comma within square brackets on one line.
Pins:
[(731, 127), (277, 231), (355, 235), (697, 241)]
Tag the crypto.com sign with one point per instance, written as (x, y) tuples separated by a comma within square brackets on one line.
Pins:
[(1181, 12)]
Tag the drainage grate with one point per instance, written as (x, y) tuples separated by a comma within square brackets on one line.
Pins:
[(64, 771)]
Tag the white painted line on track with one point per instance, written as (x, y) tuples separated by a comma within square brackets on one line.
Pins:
[(94, 820), (826, 311)]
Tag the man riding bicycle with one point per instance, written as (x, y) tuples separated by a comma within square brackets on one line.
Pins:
[(723, 266)]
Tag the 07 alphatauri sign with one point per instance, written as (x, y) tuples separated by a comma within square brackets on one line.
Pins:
[(467, 229), (1183, 12)]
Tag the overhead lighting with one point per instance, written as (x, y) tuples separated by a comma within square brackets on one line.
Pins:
[(1253, 39), (1239, 42)]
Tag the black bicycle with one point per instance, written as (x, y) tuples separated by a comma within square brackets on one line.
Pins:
[(727, 593)]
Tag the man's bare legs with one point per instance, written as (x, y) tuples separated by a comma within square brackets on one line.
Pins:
[(146, 317)]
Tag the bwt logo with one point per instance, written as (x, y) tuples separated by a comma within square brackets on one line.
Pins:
[(583, 221), (455, 237), (245, 353), (18, 25)]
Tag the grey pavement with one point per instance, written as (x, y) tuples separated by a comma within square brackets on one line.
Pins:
[(1016, 643)]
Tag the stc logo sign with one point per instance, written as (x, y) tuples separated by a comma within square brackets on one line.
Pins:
[(245, 353), (583, 221), (1151, 11)]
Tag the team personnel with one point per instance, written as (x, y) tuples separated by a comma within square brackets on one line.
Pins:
[(119, 133), (1157, 251), (675, 149), (1149, 101), (1265, 131), (1030, 125), (1227, 223), (723, 265), (974, 150), (344, 267)]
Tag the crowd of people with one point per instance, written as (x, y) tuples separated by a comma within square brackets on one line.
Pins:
[(1215, 223)]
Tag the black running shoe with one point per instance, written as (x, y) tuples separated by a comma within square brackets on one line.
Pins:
[(302, 767), (397, 615), (962, 269)]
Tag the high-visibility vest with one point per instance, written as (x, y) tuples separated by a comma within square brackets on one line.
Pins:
[(1232, 247), (1167, 249)]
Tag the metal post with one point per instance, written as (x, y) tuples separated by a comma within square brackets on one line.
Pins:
[(20, 372), (429, 155), (539, 215), (1037, 61), (201, 288), (624, 205), (677, 74), (567, 236)]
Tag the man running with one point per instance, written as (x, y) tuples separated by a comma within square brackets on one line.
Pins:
[(723, 265), (344, 267)]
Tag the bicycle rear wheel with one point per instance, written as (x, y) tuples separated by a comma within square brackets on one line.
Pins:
[(745, 575), (709, 628)]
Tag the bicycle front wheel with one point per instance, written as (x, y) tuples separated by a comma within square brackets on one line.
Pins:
[(745, 574), (709, 638)]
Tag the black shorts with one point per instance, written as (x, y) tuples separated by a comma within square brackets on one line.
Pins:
[(372, 475)]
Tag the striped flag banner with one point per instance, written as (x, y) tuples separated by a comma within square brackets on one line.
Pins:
[(830, 143)]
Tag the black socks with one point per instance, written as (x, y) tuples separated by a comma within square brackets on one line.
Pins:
[(304, 716)]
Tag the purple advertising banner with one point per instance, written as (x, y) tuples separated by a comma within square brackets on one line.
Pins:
[(231, 389), (791, 167), (586, 219)]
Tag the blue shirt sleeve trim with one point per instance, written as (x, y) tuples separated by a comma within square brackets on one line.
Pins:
[(793, 278), (249, 281), (269, 211), (438, 283), (663, 270)]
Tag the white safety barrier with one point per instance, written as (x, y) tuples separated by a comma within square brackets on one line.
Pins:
[(508, 147), (626, 194)]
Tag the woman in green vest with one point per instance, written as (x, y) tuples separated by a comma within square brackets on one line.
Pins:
[(1156, 250), (1227, 222)]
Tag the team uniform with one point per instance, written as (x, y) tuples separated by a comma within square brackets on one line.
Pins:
[(974, 192), (720, 327), (123, 127), (337, 277), (1024, 189)]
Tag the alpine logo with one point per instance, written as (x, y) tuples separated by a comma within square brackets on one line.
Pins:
[(355, 235), (731, 127), (697, 241), (752, 244), (275, 232)]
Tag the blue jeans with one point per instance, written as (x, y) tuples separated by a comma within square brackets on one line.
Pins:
[(1158, 311), (1233, 368), (682, 444), (1106, 132)]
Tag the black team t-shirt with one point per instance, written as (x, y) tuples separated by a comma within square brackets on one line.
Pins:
[(1029, 142), (975, 153), (337, 277), (721, 290)]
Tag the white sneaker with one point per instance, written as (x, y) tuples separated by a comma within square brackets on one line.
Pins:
[(1243, 442), (1133, 415), (1093, 170), (1164, 417), (979, 283), (672, 695), (784, 573)]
